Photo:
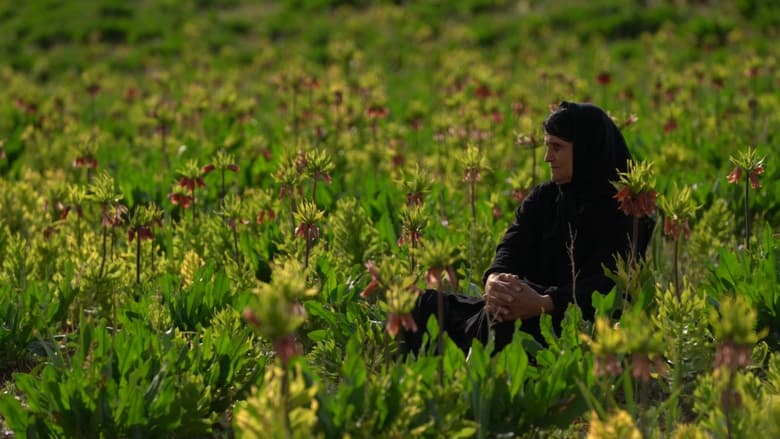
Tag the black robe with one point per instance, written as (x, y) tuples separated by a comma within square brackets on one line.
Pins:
[(535, 245)]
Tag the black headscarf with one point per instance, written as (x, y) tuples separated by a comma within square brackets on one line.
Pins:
[(600, 152)]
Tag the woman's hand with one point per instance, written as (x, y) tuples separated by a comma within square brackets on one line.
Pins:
[(509, 298)]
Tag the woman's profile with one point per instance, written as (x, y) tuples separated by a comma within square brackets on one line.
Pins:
[(572, 217)]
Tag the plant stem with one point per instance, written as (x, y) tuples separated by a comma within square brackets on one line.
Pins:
[(308, 250), (137, 259), (103, 259), (634, 239), (677, 267), (314, 191), (727, 404), (235, 244), (473, 199), (747, 211), (192, 194), (440, 341), (222, 189), (285, 401)]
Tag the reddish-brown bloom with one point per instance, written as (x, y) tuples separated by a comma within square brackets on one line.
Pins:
[(472, 175), (206, 169), (377, 112), (375, 279), (735, 175), (608, 365), (265, 214), (670, 125), (407, 236), (112, 216), (674, 228), (309, 232), (732, 356), (434, 277), (191, 183), (88, 162), (604, 78), (286, 348), (518, 195), (143, 232), (636, 205), (483, 92), (754, 182), (640, 367), (180, 199), (395, 321)]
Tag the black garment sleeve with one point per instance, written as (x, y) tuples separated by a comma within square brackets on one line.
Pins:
[(517, 244)]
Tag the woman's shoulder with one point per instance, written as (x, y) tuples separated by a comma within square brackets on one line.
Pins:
[(544, 191)]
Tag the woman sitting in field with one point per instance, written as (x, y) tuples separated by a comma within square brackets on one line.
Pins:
[(532, 273)]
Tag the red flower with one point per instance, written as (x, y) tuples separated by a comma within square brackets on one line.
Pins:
[(377, 112), (261, 217), (191, 183), (233, 167), (250, 317), (395, 321), (604, 78), (735, 175), (670, 125), (754, 183), (483, 92), (143, 232), (206, 169), (414, 199), (434, 277), (309, 232), (636, 205), (85, 162), (673, 227), (286, 348), (375, 279), (518, 195), (180, 199), (472, 175)]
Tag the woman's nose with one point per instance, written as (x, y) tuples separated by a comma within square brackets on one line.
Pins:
[(548, 157)]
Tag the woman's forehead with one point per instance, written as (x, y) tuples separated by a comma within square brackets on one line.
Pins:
[(550, 138)]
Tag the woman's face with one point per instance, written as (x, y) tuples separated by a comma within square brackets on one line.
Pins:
[(560, 156)]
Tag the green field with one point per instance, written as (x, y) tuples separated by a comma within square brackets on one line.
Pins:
[(193, 196)]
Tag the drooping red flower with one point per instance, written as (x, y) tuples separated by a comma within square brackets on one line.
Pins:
[(377, 112), (434, 277), (607, 365), (735, 175), (483, 92), (375, 279), (754, 182), (395, 321), (674, 227), (670, 125), (309, 232), (180, 199), (88, 162), (286, 348), (142, 232), (604, 78), (636, 205), (206, 169), (264, 214)]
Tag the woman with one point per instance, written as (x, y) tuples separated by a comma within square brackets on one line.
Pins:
[(532, 273)]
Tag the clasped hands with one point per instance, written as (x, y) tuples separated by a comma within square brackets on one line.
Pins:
[(507, 298)]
